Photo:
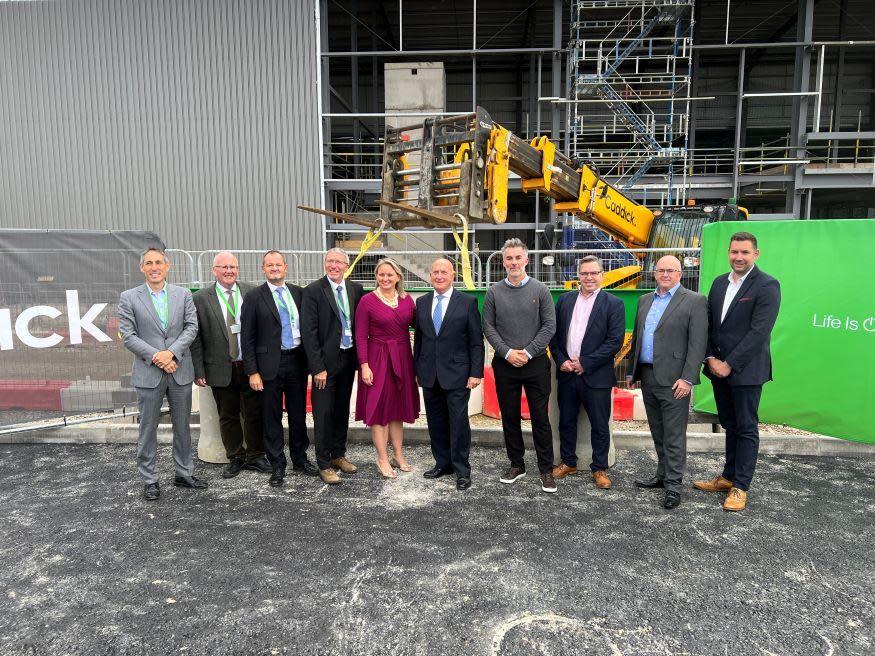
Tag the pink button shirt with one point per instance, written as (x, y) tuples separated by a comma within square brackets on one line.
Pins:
[(579, 321)]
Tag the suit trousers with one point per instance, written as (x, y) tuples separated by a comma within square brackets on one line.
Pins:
[(149, 401), (331, 411), (239, 409), (738, 411), (571, 393), (291, 383), (446, 411), (534, 376), (668, 418)]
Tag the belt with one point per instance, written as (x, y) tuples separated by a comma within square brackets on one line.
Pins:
[(646, 364), (237, 363), (291, 350)]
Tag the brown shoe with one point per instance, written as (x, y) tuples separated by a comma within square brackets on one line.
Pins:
[(329, 476), (601, 479), (562, 470), (736, 500), (717, 484), (344, 465)]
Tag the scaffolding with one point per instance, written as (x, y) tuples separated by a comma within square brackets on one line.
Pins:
[(629, 66)]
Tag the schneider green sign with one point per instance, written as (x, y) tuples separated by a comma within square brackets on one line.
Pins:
[(823, 344)]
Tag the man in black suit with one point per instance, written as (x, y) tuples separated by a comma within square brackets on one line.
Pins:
[(276, 364), (218, 362), (448, 352), (590, 325), (327, 334), (742, 307)]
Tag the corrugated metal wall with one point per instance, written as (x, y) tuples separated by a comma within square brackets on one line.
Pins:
[(197, 120)]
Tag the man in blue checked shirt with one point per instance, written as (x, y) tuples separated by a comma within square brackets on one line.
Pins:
[(668, 346)]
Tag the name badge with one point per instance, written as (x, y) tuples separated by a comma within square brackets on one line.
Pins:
[(235, 328), (347, 332)]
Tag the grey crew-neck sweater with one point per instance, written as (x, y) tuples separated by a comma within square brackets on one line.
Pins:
[(521, 318)]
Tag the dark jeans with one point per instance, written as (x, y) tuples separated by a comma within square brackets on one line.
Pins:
[(449, 427), (291, 382), (534, 376), (738, 411), (331, 411), (667, 417), (571, 393), (240, 417)]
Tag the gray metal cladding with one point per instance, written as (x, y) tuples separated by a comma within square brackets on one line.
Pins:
[(196, 119)]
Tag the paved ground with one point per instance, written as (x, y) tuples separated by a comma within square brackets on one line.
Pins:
[(414, 567)]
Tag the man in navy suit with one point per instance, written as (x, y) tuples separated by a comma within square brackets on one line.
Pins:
[(589, 332), (742, 309), (448, 351)]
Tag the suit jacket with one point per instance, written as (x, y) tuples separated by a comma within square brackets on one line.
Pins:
[(679, 340), (321, 327), (261, 335), (210, 352), (742, 338), (602, 341), (456, 353), (143, 335)]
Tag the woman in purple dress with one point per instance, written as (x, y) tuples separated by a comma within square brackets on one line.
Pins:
[(387, 392)]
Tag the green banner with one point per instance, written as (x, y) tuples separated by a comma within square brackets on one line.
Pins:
[(823, 344)]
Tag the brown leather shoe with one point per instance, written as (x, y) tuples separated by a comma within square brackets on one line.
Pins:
[(601, 479), (736, 500), (562, 470), (716, 484), (344, 465), (329, 476)]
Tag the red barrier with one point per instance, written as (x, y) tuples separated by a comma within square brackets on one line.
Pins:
[(624, 405), (31, 394), (490, 398)]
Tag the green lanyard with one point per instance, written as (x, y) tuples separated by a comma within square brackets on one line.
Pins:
[(232, 309), (282, 299), (162, 316), (341, 303)]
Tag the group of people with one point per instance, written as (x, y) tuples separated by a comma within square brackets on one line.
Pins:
[(256, 348)]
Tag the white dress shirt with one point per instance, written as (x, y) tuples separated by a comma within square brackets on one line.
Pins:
[(434, 302), (342, 285), (731, 291)]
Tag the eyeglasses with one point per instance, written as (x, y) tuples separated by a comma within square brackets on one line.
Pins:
[(589, 274), (666, 272), (227, 267)]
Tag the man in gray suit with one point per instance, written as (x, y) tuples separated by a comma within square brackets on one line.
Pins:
[(158, 323), (218, 362), (668, 346)]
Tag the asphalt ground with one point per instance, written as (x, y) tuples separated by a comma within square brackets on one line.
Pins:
[(415, 567)]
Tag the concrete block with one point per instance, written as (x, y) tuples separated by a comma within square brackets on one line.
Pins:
[(88, 395)]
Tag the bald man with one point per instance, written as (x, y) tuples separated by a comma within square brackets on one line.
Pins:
[(448, 351), (218, 363), (668, 347)]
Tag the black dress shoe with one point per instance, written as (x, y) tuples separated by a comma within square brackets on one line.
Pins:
[(232, 468), (276, 478), (151, 492), (463, 483), (307, 468), (189, 481), (261, 465), (650, 483), (672, 500), (436, 472)]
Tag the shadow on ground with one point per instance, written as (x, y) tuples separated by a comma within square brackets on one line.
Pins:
[(415, 567)]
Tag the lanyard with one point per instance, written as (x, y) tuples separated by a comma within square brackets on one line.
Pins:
[(341, 302), (232, 309), (282, 300), (162, 315)]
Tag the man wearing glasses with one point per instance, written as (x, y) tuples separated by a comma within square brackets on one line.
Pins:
[(668, 346), (218, 362), (589, 333)]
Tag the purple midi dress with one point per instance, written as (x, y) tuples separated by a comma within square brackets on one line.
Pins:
[(382, 340)]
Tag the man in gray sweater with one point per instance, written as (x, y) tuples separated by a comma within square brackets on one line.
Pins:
[(518, 320)]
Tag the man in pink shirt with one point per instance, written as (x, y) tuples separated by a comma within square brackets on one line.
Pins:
[(589, 332)]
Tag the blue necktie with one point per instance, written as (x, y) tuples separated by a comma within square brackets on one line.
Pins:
[(345, 339), (285, 320), (438, 316)]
